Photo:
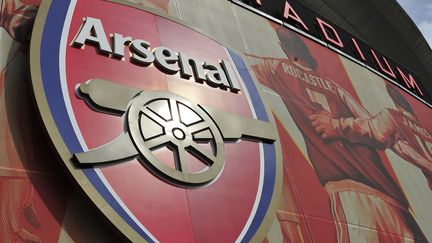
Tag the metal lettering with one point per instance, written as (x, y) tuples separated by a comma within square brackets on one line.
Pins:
[(357, 49), (290, 13), (384, 67), (140, 52), (332, 36), (409, 81), (189, 65), (119, 42), (215, 76), (166, 59), (92, 32)]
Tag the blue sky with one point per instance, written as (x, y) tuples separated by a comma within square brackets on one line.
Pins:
[(421, 13)]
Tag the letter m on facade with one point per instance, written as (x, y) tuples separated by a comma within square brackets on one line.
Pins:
[(410, 82)]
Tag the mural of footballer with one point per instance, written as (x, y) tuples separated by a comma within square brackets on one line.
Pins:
[(16, 191), (397, 128), (361, 190)]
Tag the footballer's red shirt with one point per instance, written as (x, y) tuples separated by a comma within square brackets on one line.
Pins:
[(392, 129), (305, 92)]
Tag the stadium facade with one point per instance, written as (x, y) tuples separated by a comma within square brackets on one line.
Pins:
[(213, 121)]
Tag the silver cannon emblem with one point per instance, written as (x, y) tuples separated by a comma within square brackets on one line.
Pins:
[(156, 119)]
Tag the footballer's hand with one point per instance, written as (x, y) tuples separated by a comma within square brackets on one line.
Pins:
[(323, 123)]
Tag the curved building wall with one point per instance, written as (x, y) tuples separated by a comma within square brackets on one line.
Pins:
[(277, 137)]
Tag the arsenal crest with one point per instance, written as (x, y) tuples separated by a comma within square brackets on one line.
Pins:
[(162, 127)]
